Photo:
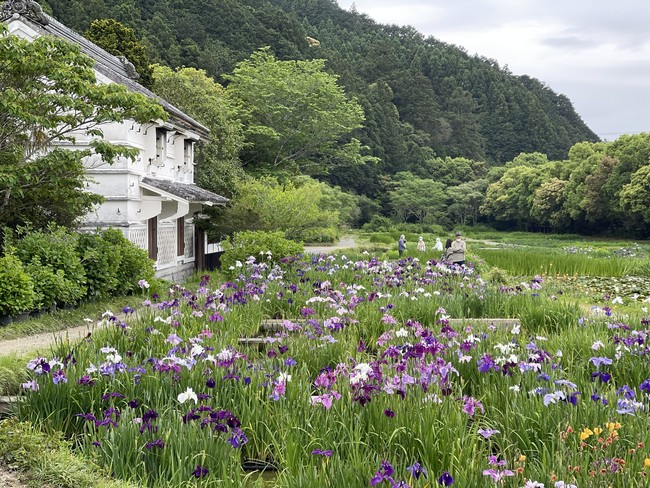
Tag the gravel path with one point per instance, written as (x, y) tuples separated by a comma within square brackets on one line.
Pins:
[(346, 242), (40, 343), (9, 480)]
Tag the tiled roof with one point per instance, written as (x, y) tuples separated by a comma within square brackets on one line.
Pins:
[(117, 69), (186, 191)]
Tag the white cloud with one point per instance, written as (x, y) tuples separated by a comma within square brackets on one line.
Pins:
[(595, 52)]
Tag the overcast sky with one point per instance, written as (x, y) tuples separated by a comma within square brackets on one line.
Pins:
[(596, 52)]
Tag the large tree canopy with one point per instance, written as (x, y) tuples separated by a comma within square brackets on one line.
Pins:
[(49, 93), (217, 160), (120, 40), (295, 114)]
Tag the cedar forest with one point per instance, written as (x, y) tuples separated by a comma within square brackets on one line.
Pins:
[(415, 131)]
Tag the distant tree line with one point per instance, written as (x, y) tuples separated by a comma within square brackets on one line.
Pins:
[(300, 93)]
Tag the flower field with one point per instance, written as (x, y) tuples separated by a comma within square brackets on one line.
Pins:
[(365, 380)]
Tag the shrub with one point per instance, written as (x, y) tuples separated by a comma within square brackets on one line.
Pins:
[(16, 287), (320, 234), (382, 238), (132, 264), (56, 248), (49, 285), (99, 258), (378, 223), (269, 247)]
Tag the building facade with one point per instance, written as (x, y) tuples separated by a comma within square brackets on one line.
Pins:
[(153, 199)]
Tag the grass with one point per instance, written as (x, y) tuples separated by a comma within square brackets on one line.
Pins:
[(531, 261), (12, 374), (64, 319), (48, 461)]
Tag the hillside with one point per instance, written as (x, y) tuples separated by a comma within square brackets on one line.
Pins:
[(422, 98)]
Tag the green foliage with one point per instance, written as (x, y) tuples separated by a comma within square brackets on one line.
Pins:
[(320, 235), (378, 223), (556, 262), (16, 286), (101, 261), (119, 40), (421, 200), (47, 460), (268, 205), (267, 247), (12, 374), (48, 189), (132, 264), (55, 248), (49, 285), (293, 111)]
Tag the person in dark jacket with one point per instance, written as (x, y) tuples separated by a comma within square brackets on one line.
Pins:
[(401, 245)]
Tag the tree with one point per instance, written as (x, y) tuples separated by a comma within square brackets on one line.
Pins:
[(548, 204), (420, 199), (293, 111), (49, 93), (269, 205), (510, 198), (217, 160), (119, 40), (635, 196), (466, 200)]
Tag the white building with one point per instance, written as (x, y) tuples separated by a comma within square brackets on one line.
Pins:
[(154, 199)]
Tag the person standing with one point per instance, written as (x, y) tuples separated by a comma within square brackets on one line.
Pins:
[(438, 245), (421, 245), (401, 245), (445, 255), (457, 250)]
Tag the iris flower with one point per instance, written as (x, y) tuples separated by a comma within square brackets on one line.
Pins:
[(445, 479)]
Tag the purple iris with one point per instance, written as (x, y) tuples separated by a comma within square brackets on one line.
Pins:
[(445, 479), (237, 438), (384, 473), (645, 386), (59, 377), (157, 443), (321, 452), (200, 471), (486, 363), (487, 433), (417, 470), (601, 361)]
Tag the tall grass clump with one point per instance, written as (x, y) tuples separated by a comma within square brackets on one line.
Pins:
[(529, 262)]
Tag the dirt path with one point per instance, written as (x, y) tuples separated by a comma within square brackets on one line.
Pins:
[(9, 480), (346, 242), (40, 343)]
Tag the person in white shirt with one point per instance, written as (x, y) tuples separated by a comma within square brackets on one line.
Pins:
[(421, 245)]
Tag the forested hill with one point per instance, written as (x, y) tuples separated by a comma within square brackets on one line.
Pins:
[(421, 97)]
